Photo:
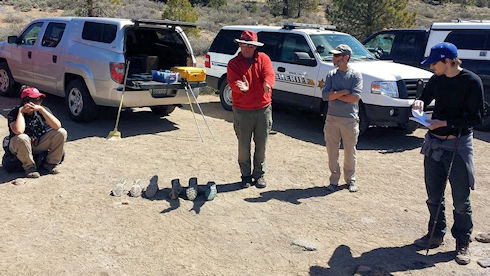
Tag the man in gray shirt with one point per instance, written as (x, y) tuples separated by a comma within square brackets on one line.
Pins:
[(342, 90)]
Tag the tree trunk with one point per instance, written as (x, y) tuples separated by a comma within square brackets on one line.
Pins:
[(90, 8)]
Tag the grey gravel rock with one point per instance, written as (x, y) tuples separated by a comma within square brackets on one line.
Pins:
[(484, 262), (18, 182), (483, 237), (307, 246)]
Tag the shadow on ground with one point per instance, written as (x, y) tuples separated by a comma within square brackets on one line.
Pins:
[(131, 123), (384, 261), (294, 195), (163, 194)]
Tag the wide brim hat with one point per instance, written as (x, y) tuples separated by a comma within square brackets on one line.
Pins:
[(249, 37)]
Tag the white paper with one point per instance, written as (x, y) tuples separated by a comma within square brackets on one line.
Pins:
[(420, 117)]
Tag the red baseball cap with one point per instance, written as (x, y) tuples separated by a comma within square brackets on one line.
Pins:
[(249, 37), (31, 92)]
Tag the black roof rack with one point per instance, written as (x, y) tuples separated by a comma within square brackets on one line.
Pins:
[(170, 23), (293, 25)]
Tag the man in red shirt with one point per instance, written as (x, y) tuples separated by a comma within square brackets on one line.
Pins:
[(251, 78)]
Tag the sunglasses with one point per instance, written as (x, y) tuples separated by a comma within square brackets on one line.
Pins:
[(247, 45), (34, 100)]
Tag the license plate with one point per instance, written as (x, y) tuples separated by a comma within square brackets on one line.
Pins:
[(160, 92)]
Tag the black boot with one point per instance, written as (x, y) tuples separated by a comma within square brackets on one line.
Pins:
[(462, 253)]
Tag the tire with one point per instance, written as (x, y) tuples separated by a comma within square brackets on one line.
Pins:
[(485, 125), (363, 119), (411, 126), (162, 110), (79, 104), (225, 95), (8, 86)]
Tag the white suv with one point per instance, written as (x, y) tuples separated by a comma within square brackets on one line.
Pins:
[(299, 54), (83, 59)]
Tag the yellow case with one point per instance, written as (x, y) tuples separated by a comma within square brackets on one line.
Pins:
[(191, 74)]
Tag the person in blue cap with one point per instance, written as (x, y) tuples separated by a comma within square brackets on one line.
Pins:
[(448, 145)]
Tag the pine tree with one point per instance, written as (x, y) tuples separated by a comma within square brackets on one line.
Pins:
[(181, 10), (361, 18), (291, 8)]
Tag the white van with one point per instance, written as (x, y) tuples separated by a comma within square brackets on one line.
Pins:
[(301, 60)]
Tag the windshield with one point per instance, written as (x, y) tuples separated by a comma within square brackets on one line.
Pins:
[(330, 41)]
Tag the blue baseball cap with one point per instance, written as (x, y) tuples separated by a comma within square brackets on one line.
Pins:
[(439, 52)]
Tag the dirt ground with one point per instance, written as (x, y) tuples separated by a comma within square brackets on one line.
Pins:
[(70, 224)]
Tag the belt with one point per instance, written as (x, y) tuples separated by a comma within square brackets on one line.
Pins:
[(448, 137)]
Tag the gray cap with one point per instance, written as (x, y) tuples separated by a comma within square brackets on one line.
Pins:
[(342, 49)]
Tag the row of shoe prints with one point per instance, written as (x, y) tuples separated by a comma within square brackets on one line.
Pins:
[(150, 188)]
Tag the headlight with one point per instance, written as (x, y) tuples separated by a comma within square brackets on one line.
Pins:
[(387, 88)]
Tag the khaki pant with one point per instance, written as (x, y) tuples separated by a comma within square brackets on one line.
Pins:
[(256, 124), (52, 141), (347, 129)]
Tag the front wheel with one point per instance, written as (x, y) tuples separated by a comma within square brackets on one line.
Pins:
[(363, 119), (80, 105), (162, 110), (225, 95), (8, 87)]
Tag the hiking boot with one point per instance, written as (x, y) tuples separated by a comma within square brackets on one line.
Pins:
[(211, 191), (353, 187), (462, 253), (32, 173), (260, 182), (50, 168), (191, 191), (332, 188), (176, 189), (246, 181), (427, 242)]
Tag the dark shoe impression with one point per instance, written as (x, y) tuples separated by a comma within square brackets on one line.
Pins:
[(246, 181), (176, 189), (462, 253), (427, 242), (260, 182)]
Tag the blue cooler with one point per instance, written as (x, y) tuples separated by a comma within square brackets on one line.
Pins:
[(165, 76)]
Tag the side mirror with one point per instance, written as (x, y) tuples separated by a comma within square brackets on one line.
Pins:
[(304, 59), (12, 39), (320, 49)]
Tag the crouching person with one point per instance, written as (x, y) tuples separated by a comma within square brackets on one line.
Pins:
[(34, 129)]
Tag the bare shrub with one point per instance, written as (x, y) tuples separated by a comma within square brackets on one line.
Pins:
[(13, 18), (200, 45)]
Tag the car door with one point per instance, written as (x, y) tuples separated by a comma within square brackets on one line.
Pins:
[(296, 70), (47, 62), (381, 44), (22, 52), (408, 47)]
